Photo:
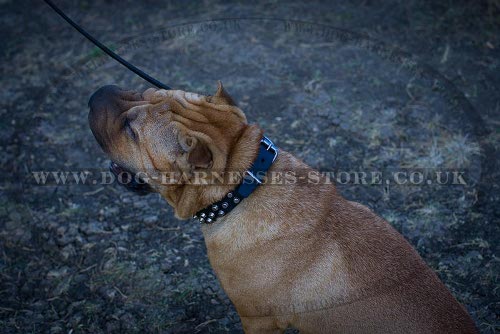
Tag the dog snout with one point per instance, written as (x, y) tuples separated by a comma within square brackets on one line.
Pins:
[(106, 105)]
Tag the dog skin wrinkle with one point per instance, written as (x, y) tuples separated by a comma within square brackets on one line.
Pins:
[(299, 255), (150, 156)]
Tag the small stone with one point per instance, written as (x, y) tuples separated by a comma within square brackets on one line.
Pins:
[(93, 227), (57, 273), (150, 220), (68, 251), (295, 124)]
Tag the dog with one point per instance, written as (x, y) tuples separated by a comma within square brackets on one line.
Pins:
[(290, 255)]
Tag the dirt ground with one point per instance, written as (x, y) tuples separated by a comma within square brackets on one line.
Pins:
[(345, 85)]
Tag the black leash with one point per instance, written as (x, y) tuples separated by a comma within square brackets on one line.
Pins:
[(107, 50)]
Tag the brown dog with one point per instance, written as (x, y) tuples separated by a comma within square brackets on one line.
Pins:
[(295, 255)]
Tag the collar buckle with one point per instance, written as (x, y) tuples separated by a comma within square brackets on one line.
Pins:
[(270, 147)]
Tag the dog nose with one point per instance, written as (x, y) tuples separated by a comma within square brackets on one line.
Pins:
[(105, 107), (105, 96)]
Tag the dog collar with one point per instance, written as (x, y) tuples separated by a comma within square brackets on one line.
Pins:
[(252, 178)]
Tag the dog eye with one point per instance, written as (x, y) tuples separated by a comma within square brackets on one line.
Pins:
[(129, 130)]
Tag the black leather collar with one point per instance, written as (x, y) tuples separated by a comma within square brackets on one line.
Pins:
[(252, 179)]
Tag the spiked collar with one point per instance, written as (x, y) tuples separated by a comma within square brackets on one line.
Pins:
[(252, 178)]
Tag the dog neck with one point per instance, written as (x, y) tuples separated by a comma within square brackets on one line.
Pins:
[(187, 199), (252, 178)]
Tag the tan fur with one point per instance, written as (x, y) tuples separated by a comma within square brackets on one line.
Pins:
[(289, 255)]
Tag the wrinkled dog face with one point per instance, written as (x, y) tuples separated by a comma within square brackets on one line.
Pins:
[(164, 130)]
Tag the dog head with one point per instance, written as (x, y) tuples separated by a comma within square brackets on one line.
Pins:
[(166, 131)]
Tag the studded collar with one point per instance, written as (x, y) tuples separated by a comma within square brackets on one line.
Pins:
[(252, 178)]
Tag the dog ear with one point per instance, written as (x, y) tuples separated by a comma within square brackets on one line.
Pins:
[(223, 94), (197, 151)]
